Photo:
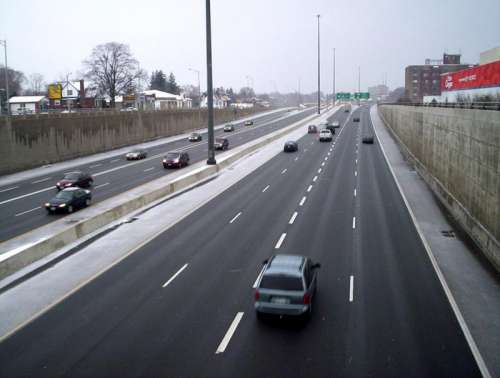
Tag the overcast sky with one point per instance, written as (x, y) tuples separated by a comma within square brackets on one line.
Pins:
[(272, 41)]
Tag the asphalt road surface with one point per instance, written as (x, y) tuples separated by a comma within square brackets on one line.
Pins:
[(21, 204), (182, 305)]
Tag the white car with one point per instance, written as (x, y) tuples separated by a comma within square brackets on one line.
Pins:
[(336, 124), (325, 135)]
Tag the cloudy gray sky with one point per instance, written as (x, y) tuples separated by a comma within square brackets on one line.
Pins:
[(272, 41)]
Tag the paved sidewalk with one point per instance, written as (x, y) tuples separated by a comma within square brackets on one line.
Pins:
[(474, 284)]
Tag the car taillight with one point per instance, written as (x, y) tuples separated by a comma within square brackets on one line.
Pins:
[(257, 295), (307, 298)]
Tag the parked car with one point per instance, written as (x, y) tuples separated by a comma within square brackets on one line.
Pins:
[(249, 123), (75, 179), (291, 146), (336, 124), (176, 159), (221, 143), (287, 286), (195, 137), (69, 199), (355, 119), (229, 127), (136, 155), (312, 129), (367, 139), (325, 135)]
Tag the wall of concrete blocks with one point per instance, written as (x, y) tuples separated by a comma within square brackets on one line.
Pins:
[(457, 152), (31, 141)]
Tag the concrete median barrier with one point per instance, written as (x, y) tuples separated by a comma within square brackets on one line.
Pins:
[(28, 248)]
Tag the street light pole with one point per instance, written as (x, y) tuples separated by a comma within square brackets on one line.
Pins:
[(199, 95), (359, 82), (4, 43), (319, 82), (333, 99), (210, 100)]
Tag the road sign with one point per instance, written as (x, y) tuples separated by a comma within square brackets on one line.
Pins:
[(361, 95), (343, 96)]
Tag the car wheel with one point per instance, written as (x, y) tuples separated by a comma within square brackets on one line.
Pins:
[(87, 202), (70, 209)]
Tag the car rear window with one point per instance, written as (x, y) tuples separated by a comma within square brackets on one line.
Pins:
[(72, 176), (280, 282), (219, 140), (173, 156)]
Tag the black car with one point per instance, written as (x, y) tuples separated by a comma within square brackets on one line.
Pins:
[(75, 179), (368, 139), (346, 110), (355, 119), (221, 143), (249, 123), (69, 199), (312, 129), (291, 146), (176, 160), (195, 137)]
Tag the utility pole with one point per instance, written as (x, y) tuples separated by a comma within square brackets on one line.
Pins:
[(319, 80), (199, 95), (299, 100), (4, 43), (333, 99), (359, 82), (210, 92)]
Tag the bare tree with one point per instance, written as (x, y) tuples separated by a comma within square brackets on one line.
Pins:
[(113, 69), (36, 84)]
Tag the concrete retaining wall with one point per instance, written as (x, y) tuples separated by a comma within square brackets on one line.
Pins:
[(457, 152), (31, 141)]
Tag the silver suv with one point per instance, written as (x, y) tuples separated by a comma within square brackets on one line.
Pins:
[(325, 135), (287, 286)]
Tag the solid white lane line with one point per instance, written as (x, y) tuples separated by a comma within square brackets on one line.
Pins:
[(267, 187), (292, 219), (283, 171), (95, 165), (355, 173), (6, 190), (351, 289), (319, 170), (315, 178), (309, 188), (235, 217), (323, 164), (258, 277), (175, 275), (27, 211), (302, 201), (27, 195), (100, 186), (354, 192), (41, 180), (353, 223), (280, 241), (114, 160), (232, 328), (149, 169)]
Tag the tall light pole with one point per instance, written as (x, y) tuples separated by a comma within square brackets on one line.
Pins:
[(359, 83), (210, 92), (333, 93), (319, 82), (4, 43), (199, 94)]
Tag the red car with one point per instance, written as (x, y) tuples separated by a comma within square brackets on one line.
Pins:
[(75, 179), (176, 160)]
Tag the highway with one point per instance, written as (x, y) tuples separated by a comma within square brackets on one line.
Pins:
[(182, 305), (21, 203)]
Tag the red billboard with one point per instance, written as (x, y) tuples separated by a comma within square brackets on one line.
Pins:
[(487, 75)]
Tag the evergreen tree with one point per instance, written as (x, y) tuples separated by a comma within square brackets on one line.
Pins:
[(172, 86), (158, 81)]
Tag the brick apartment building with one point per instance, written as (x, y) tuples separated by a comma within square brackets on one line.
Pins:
[(425, 79)]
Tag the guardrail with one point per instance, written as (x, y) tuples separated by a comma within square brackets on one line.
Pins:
[(458, 105)]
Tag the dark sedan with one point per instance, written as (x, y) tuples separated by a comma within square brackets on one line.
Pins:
[(176, 160), (75, 179), (195, 137), (69, 199), (312, 129), (291, 146), (355, 119), (368, 139), (221, 144)]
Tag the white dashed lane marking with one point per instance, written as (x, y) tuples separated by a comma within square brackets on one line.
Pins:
[(280, 241), (292, 219), (301, 203), (235, 217), (267, 187)]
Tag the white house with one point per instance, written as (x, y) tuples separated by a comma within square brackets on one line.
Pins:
[(27, 104), (164, 100), (220, 102)]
